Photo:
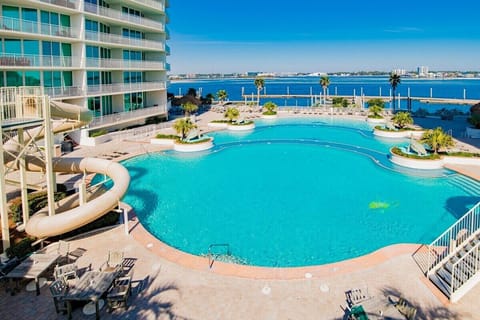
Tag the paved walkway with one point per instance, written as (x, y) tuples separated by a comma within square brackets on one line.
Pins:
[(164, 289)]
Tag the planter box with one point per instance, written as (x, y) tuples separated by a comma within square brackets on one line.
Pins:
[(222, 125), (163, 142), (398, 134), (92, 142), (461, 160), (193, 147), (473, 133), (242, 127), (416, 163)]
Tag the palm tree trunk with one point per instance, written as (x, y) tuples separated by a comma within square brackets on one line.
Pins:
[(258, 97)]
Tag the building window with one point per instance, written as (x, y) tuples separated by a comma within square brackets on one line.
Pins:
[(52, 79), (13, 46), (92, 52), (31, 47), (67, 78), (14, 79), (107, 105), (91, 25), (29, 20), (93, 104), (32, 78)]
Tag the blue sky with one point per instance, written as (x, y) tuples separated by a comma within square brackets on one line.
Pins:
[(322, 36)]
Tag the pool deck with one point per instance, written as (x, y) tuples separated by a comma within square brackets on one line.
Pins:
[(169, 284)]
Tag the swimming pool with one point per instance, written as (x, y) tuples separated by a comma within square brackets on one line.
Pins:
[(297, 193)]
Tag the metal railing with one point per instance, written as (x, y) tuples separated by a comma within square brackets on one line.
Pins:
[(152, 4), (128, 115), (124, 87), (21, 103), (125, 64), (453, 238), (26, 60), (119, 15), (139, 133), (60, 92), (118, 39), (464, 269), (35, 27), (63, 3)]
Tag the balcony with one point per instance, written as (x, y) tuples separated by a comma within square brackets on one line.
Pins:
[(35, 27), (118, 39), (38, 61), (125, 64), (63, 3), (151, 4), (105, 89), (118, 15), (63, 92), (127, 116)]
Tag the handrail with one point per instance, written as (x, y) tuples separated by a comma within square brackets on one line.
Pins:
[(462, 270), (442, 247), (211, 259)]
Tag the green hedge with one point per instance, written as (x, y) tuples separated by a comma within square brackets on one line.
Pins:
[(167, 136), (382, 128), (269, 113), (36, 201), (97, 133), (375, 117), (463, 154), (220, 121), (21, 249), (193, 142)]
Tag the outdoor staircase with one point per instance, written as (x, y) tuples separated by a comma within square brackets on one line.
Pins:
[(453, 261)]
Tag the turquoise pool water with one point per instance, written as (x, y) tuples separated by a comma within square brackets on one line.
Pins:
[(296, 193)]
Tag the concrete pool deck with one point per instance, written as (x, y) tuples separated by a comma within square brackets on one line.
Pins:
[(173, 285)]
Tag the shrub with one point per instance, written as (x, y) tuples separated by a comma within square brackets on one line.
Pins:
[(474, 120), (167, 136), (269, 113), (36, 201), (97, 133), (21, 249), (194, 141)]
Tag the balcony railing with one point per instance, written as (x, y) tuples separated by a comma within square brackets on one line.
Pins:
[(63, 3), (117, 39), (119, 15), (35, 27), (152, 4), (124, 87), (63, 92), (129, 115), (19, 60), (124, 64)]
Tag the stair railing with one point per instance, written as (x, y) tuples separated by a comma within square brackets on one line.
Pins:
[(463, 270), (448, 242)]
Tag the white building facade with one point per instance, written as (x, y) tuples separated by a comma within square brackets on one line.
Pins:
[(107, 55)]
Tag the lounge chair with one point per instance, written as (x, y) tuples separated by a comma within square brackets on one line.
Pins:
[(63, 250), (58, 289), (390, 126), (357, 313), (406, 308), (193, 135), (118, 294), (114, 262), (418, 148), (356, 296)]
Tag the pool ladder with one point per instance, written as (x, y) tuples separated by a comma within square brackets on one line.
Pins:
[(212, 256)]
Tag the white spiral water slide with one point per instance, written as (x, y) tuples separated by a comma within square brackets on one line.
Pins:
[(72, 216)]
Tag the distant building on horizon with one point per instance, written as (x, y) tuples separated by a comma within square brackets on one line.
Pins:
[(422, 71), (400, 72)]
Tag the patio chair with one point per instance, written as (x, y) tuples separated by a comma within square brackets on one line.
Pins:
[(66, 272), (357, 313), (114, 262), (6, 267), (58, 289), (406, 308), (63, 250), (118, 294), (356, 296)]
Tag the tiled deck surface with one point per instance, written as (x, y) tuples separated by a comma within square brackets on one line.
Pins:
[(171, 285)]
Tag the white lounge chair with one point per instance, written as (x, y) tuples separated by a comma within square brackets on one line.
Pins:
[(418, 148)]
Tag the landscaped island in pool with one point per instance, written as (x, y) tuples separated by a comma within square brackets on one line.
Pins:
[(297, 193)]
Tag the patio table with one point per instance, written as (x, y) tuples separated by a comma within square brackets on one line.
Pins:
[(90, 287), (32, 267)]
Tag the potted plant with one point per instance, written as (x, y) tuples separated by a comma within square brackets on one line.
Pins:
[(402, 120), (437, 139), (270, 110)]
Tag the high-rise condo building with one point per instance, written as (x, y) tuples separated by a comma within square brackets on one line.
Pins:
[(106, 55)]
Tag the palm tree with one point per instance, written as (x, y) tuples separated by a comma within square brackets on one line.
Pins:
[(260, 84), (183, 126), (324, 82), (394, 82), (437, 139), (375, 111), (270, 107), (232, 114), (222, 95), (189, 108), (402, 119), (209, 98)]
